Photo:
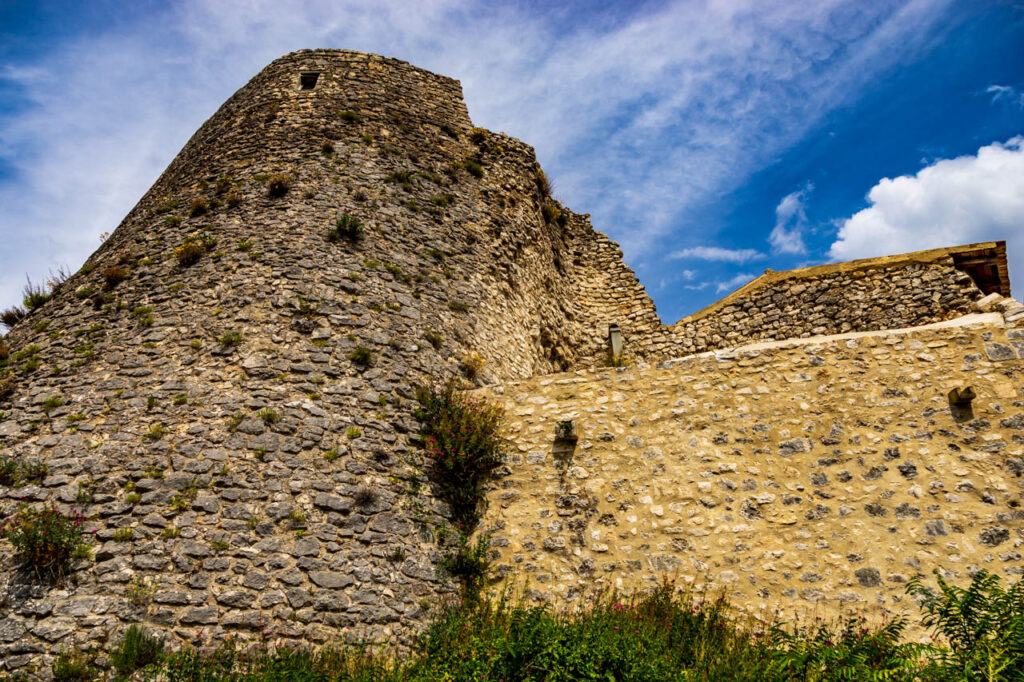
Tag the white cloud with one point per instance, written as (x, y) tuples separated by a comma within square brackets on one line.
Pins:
[(639, 119), (1006, 93), (734, 282), (954, 201), (790, 219), (715, 253)]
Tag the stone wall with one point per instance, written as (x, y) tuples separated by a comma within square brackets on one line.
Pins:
[(271, 483), (238, 431), (807, 477), (879, 293)]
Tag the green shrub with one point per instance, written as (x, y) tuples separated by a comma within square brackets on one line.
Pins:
[(473, 168), (9, 471), (73, 666), (458, 307), (229, 339), (137, 650), (350, 116), (15, 472), (361, 356), (269, 415), (462, 443), (46, 538), (35, 295), (52, 403), (347, 227), (983, 623)]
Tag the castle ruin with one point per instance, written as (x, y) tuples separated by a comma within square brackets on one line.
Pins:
[(233, 414)]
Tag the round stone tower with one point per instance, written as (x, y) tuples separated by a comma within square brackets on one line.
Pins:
[(224, 389)]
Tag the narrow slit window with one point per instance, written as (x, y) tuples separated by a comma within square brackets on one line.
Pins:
[(307, 81)]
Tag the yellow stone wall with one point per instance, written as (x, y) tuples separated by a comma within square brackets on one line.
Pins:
[(807, 476)]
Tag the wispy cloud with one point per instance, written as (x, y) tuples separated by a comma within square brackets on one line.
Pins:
[(640, 119), (790, 219), (1006, 94), (734, 282), (716, 253)]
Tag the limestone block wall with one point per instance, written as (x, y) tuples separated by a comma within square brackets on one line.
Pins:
[(802, 476)]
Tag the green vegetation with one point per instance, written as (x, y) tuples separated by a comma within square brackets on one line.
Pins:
[(229, 339), (193, 248), (269, 415), (668, 635), (460, 437), (350, 116), (137, 650), (361, 356), (15, 472), (35, 295), (347, 227), (46, 538)]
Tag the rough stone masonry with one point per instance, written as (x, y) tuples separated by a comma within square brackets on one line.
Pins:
[(225, 392)]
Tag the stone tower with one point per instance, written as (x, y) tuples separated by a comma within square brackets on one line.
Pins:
[(225, 392)]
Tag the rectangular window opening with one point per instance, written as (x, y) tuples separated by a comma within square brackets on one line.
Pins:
[(307, 81)]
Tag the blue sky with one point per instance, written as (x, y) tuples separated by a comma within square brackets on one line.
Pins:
[(712, 140)]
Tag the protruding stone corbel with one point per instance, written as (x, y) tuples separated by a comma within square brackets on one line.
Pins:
[(960, 403)]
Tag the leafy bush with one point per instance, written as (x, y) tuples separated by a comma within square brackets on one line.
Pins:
[(347, 227), (137, 650), (462, 442), (278, 184), (670, 634), (850, 652), (46, 537), (984, 624)]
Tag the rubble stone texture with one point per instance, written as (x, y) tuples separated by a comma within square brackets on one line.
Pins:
[(241, 401), (805, 477)]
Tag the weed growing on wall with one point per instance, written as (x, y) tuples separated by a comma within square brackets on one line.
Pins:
[(460, 437), (46, 538)]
